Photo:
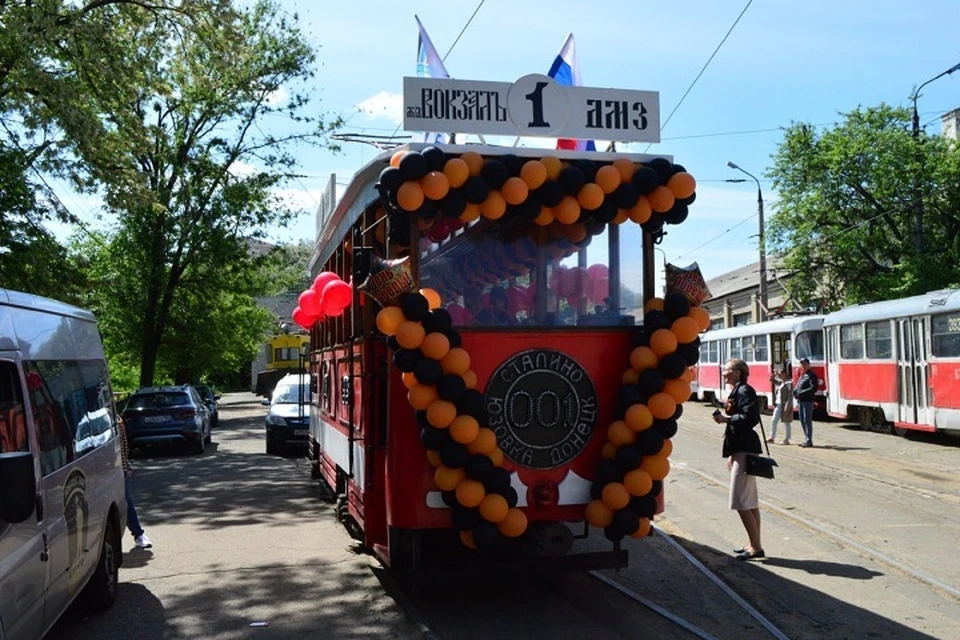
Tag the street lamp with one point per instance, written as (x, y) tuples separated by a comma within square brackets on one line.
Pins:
[(763, 248), (917, 199)]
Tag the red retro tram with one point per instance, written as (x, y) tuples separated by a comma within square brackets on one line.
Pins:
[(765, 346), (581, 400), (896, 362)]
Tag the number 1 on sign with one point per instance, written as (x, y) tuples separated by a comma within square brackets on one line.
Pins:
[(536, 100)]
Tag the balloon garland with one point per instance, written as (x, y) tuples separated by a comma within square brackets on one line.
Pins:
[(629, 479), (442, 390)]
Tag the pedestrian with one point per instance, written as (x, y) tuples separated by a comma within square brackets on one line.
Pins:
[(133, 522), (739, 439), (782, 405), (805, 393)]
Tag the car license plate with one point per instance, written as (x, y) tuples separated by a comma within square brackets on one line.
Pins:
[(156, 419), (301, 432)]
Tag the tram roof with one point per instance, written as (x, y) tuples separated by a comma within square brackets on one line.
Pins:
[(361, 193), (780, 325), (932, 302)]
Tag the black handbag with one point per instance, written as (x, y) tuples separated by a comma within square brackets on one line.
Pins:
[(758, 465)]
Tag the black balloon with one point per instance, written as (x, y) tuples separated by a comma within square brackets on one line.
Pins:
[(614, 533), (596, 491), (645, 506), (672, 365), (487, 536), (427, 371), (654, 225), (495, 173), (453, 204), (550, 193), (449, 498), (529, 209), (479, 467), (645, 180), (651, 381), (663, 167), (438, 321), (678, 412), (688, 201), (628, 395), (690, 353), (390, 179), (435, 158), (571, 180), (628, 457), (676, 305), (607, 211), (433, 438), (471, 404), (655, 489), (498, 481), (588, 168), (454, 455), (450, 386), (641, 337), (455, 341), (406, 359), (678, 168), (667, 428), (465, 518), (649, 442), (421, 417), (413, 166), (677, 214), (392, 343), (427, 210), (626, 520), (512, 163), (607, 472), (510, 495), (626, 195), (475, 190), (655, 319), (415, 307)]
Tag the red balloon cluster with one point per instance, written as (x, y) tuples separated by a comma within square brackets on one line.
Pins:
[(573, 283), (327, 297)]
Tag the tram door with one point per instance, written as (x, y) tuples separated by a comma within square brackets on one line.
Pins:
[(912, 370), (832, 348)]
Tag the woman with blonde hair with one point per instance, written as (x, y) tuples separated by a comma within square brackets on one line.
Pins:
[(739, 439)]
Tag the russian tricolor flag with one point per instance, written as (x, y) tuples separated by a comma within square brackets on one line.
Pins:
[(566, 71), (429, 65)]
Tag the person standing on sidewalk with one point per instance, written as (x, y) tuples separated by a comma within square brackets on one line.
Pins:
[(782, 405), (133, 522), (805, 393)]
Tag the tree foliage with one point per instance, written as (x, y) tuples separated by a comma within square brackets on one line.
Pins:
[(845, 217)]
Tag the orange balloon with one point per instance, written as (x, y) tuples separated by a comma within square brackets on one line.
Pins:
[(546, 216), (514, 524), (433, 298), (433, 457), (422, 396), (396, 158), (615, 496), (470, 213), (662, 405), (568, 211), (638, 417), (661, 199), (663, 342), (682, 184), (621, 217), (642, 531), (408, 379), (609, 451), (441, 413), (657, 466), (688, 375), (435, 345), (620, 434), (608, 178), (497, 457), (485, 442), (667, 448), (686, 329), (410, 195), (494, 206), (641, 211), (576, 232), (474, 162), (494, 508), (457, 172), (643, 358), (470, 493), (447, 479), (630, 376), (456, 361), (470, 379), (410, 334), (701, 316), (464, 429), (625, 168), (533, 173), (598, 514), (590, 196), (466, 537), (389, 319), (678, 389), (653, 304), (553, 167), (638, 482), (435, 185), (515, 190)]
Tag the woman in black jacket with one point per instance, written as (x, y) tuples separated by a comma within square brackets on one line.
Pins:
[(739, 439)]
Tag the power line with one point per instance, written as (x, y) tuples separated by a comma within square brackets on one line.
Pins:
[(715, 238), (706, 64), (444, 58)]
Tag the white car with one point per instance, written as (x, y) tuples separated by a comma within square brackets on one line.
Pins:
[(288, 421)]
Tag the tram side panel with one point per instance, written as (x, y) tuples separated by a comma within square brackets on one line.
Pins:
[(945, 393)]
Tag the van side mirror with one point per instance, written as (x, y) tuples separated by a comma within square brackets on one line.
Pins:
[(18, 486), (265, 402)]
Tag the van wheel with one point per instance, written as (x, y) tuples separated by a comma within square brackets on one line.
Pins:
[(271, 446), (101, 591)]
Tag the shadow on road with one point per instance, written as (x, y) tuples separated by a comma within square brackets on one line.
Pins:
[(142, 612), (818, 567)]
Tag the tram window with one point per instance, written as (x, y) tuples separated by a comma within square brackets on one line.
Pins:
[(879, 344), (810, 345), (760, 352), (946, 335), (735, 348), (747, 348), (851, 342)]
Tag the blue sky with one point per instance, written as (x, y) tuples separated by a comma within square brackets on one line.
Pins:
[(784, 62)]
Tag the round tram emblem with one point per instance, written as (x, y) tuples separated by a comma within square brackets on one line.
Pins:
[(543, 407)]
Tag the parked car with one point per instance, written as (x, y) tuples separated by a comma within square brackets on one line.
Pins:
[(288, 421), (210, 398), (158, 415), (62, 503)]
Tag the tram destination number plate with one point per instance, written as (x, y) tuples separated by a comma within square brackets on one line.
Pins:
[(542, 405)]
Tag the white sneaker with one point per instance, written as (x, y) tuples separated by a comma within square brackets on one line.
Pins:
[(143, 541)]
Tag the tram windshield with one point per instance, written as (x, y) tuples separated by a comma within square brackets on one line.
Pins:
[(494, 274), (810, 345)]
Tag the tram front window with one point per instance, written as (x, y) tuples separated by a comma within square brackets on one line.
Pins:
[(810, 345), (494, 274)]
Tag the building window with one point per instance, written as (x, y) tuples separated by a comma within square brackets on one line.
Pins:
[(851, 342), (740, 319), (879, 344), (946, 335)]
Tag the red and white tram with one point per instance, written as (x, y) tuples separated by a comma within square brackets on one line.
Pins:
[(765, 347), (896, 362)]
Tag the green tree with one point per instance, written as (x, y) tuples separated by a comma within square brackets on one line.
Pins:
[(844, 219), (285, 268)]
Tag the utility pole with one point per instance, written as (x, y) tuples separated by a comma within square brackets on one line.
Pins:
[(762, 241)]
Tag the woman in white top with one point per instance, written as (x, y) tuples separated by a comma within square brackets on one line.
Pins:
[(782, 405)]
